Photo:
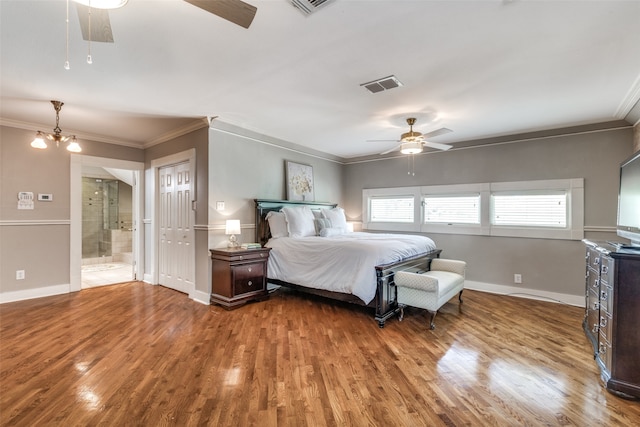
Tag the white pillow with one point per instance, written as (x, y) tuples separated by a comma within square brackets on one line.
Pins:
[(337, 218), (299, 221), (329, 231), (277, 224)]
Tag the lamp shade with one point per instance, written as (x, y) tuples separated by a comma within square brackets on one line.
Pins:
[(232, 226)]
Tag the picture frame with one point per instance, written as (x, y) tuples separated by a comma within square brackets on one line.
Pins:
[(299, 179)]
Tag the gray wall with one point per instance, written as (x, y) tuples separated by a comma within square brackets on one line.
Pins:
[(37, 240), (242, 169), (547, 265)]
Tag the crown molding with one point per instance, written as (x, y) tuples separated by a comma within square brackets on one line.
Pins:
[(196, 124)]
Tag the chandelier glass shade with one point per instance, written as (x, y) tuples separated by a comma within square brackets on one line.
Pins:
[(56, 136)]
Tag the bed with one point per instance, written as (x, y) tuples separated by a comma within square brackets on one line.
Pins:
[(308, 263)]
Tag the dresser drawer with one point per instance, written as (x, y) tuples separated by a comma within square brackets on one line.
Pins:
[(606, 298), (606, 269), (606, 326), (248, 278)]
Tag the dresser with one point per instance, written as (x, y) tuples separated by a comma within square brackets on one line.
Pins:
[(612, 314), (238, 276)]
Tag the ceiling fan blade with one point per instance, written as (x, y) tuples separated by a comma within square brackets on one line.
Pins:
[(436, 132), (390, 150), (383, 140), (100, 24), (443, 147), (235, 11)]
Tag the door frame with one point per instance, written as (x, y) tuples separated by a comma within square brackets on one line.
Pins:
[(153, 199), (75, 238)]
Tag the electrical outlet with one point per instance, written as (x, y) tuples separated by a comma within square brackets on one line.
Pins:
[(19, 274), (517, 278), (219, 206)]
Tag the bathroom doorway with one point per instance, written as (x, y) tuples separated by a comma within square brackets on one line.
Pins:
[(107, 226)]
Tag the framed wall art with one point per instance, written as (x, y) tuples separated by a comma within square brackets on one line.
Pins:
[(299, 181)]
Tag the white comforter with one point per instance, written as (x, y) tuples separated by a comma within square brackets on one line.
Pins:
[(343, 263)]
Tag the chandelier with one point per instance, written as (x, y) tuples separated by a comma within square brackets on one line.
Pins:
[(56, 136)]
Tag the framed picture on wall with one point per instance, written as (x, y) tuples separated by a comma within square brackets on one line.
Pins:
[(299, 181)]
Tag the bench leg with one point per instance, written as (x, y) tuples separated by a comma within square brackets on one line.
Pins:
[(432, 314), (460, 297), (401, 315)]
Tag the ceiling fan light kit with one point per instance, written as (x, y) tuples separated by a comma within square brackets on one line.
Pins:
[(411, 147), (56, 136)]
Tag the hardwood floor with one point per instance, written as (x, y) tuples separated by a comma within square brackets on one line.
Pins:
[(136, 354)]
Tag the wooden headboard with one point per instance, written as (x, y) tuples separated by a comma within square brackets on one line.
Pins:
[(263, 207)]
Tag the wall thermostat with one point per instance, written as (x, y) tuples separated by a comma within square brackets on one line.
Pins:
[(45, 197)]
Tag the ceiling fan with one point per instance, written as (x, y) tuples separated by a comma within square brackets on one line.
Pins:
[(96, 27), (413, 142)]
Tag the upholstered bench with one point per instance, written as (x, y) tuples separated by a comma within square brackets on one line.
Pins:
[(432, 289)]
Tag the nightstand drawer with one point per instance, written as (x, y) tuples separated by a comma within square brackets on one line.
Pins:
[(248, 278)]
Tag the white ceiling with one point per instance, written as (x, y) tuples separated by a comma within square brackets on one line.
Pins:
[(484, 68)]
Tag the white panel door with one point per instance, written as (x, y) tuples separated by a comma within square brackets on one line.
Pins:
[(175, 219)]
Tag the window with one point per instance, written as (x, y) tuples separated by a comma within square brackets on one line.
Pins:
[(534, 209), (395, 209), (452, 209), (548, 209)]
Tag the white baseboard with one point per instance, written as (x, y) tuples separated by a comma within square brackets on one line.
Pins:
[(576, 300), (146, 278), (33, 293), (201, 297)]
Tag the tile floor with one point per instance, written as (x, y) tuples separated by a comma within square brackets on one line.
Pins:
[(105, 274)]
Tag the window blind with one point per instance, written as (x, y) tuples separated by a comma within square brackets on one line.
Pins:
[(392, 209), (452, 209), (530, 210)]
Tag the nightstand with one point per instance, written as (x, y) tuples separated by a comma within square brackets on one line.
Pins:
[(238, 276)]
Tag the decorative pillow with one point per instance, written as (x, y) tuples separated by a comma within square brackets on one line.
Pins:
[(317, 213), (328, 232), (337, 218), (277, 224), (321, 224), (299, 221)]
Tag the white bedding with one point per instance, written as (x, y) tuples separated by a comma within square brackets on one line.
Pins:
[(343, 263)]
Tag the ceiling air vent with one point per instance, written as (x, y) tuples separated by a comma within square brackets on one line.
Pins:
[(384, 83), (309, 6)]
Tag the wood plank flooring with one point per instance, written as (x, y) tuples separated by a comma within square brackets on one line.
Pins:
[(136, 354)]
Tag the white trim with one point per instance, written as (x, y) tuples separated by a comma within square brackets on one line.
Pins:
[(520, 292), (26, 294), (32, 222), (630, 99), (154, 202), (201, 297), (75, 255)]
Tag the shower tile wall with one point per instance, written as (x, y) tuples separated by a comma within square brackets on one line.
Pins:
[(96, 241)]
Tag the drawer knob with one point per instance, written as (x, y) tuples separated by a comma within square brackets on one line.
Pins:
[(605, 269), (261, 255), (250, 283), (240, 256), (595, 328), (603, 296), (596, 306), (249, 269), (603, 321), (603, 348)]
